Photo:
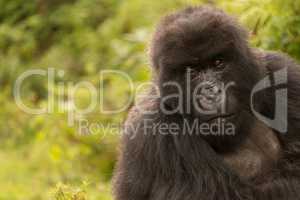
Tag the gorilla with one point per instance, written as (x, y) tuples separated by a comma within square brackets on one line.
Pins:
[(196, 135)]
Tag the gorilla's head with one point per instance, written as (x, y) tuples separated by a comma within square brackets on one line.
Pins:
[(204, 66)]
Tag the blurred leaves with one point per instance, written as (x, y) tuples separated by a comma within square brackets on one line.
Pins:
[(64, 192)]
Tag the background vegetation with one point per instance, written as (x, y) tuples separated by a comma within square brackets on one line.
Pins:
[(41, 156)]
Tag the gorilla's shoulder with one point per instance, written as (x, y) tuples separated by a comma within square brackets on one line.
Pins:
[(144, 113), (278, 60)]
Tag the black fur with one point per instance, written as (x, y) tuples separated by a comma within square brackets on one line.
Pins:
[(155, 166)]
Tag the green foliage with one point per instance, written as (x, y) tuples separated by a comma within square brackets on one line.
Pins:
[(274, 24), (42, 157), (63, 192)]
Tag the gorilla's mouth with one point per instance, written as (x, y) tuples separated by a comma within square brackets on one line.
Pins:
[(221, 116)]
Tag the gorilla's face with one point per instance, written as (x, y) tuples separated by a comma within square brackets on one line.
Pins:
[(207, 87), (208, 57)]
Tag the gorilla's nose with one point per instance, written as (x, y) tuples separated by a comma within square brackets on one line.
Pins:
[(210, 96)]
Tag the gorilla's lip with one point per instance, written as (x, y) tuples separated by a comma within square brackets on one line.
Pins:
[(221, 116)]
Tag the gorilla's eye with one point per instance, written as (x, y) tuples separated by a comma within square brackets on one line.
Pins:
[(218, 63)]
